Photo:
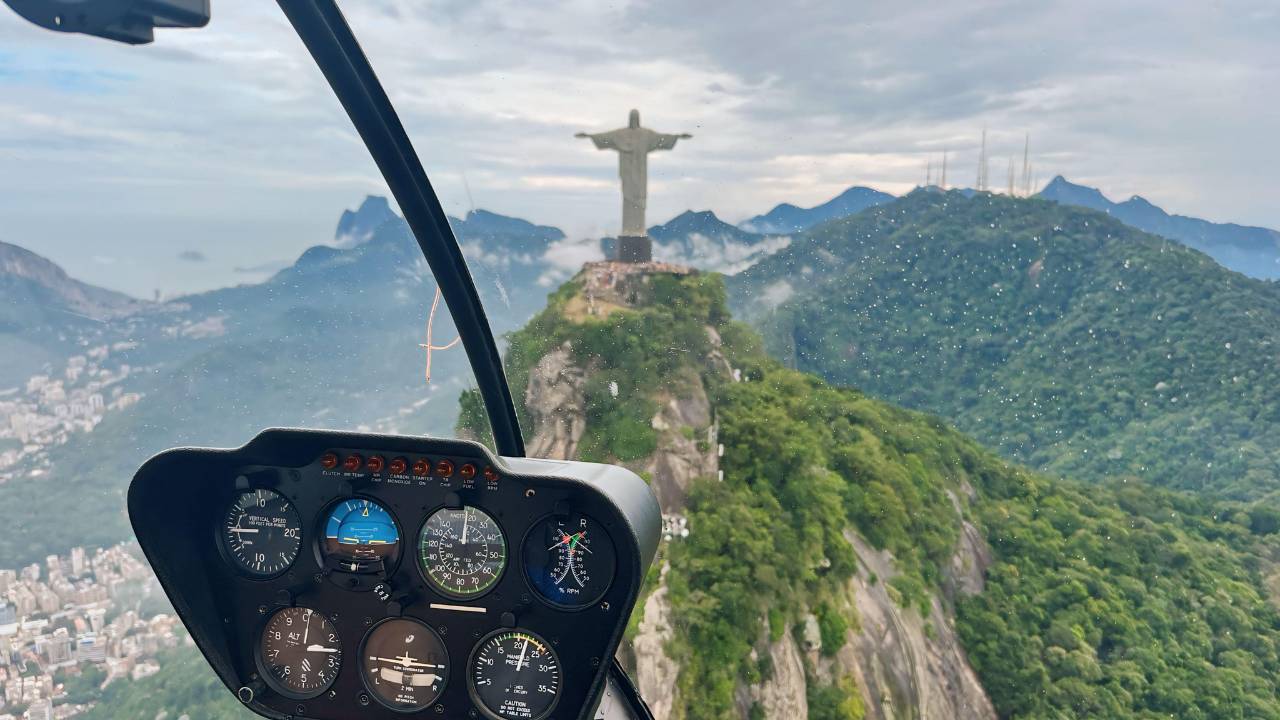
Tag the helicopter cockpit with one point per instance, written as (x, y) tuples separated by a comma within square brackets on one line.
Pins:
[(338, 575), (334, 575)]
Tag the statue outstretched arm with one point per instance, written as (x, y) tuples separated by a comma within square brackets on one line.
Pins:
[(603, 141), (665, 141)]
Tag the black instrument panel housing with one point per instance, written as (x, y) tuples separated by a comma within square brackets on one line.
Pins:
[(178, 499)]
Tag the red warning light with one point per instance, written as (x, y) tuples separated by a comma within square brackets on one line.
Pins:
[(490, 474), (467, 471), (398, 466), (376, 463), (352, 463), (444, 468), (328, 461), (421, 467)]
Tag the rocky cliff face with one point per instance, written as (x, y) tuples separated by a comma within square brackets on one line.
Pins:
[(904, 665), (907, 665), (555, 401)]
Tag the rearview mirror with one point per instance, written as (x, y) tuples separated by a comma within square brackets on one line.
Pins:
[(126, 21)]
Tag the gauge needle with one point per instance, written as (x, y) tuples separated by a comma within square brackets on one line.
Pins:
[(465, 521), (523, 649), (244, 530), (572, 541), (564, 539), (321, 648), (306, 631)]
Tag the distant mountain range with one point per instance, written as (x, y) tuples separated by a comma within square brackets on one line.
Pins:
[(43, 311), (487, 227), (703, 240), (787, 218), (51, 290), (1254, 251), (354, 314), (1055, 334), (359, 225)]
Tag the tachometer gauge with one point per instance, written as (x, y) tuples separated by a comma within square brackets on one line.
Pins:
[(514, 675), (569, 560), (405, 664), (261, 533), (300, 653), (360, 536), (462, 552)]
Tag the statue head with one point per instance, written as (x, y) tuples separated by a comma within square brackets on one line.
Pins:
[(634, 122)]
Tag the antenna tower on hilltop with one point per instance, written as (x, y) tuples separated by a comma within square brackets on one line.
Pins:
[(982, 163), (1026, 166)]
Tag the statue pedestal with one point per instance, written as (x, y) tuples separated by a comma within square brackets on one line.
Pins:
[(634, 249)]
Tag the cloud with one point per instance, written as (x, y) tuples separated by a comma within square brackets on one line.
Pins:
[(192, 256), (717, 254), (786, 101), (565, 257)]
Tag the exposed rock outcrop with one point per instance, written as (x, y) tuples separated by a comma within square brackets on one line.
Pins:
[(554, 398), (907, 666), (655, 673), (781, 695), (687, 442), (967, 572)]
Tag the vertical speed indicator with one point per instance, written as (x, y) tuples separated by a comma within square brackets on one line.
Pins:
[(261, 533)]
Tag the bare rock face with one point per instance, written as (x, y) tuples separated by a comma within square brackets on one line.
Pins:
[(655, 673), (555, 399), (904, 670), (782, 696), (967, 573), (687, 442)]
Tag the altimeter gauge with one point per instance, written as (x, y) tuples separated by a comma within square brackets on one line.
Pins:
[(405, 664), (462, 552), (261, 533), (569, 560), (514, 675), (300, 653)]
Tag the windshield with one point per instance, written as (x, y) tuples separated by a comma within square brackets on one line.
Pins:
[(951, 365)]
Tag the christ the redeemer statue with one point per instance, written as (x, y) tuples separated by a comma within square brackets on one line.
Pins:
[(634, 143)]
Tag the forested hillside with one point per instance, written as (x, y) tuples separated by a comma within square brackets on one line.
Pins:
[(1056, 335), (1116, 601)]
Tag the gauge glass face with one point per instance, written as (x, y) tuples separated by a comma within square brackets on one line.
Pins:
[(300, 652), (360, 536), (515, 675), (569, 560), (405, 664), (262, 533), (462, 552)]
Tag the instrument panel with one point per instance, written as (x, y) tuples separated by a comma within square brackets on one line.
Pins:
[(340, 575)]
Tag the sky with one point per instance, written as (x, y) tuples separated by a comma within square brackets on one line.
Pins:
[(213, 155)]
